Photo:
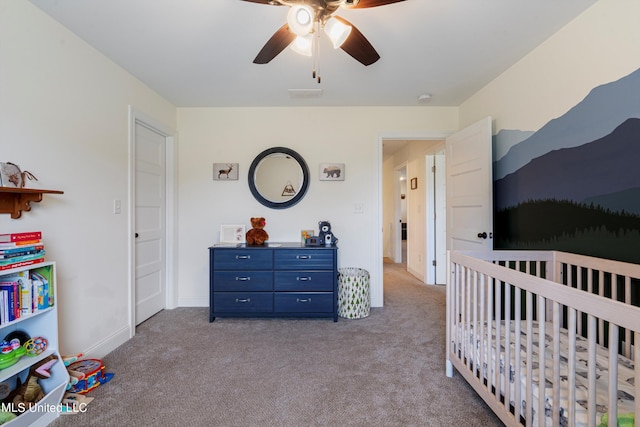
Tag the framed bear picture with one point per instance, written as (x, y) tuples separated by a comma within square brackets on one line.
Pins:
[(331, 171)]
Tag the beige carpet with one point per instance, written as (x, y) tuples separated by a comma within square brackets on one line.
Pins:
[(384, 370)]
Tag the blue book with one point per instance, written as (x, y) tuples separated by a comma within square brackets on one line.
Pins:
[(13, 299)]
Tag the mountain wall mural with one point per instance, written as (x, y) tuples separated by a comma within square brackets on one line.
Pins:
[(574, 185), (601, 111)]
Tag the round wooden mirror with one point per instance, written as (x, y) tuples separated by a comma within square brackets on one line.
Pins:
[(278, 178)]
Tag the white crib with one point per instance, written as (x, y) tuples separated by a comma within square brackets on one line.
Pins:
[(587, 310)]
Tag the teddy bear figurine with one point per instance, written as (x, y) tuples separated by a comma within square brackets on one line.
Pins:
[(257, 235)]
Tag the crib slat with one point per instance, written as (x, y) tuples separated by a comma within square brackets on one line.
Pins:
[(518, 364), (627, 332), (613, 375), (541, 359), (556, 363), (498, 311), (455, 295), (474, 327), (467, 318), (579, 285), (592, 333), (529, 391), (572, 367), (507, 345), (601, 293), (636, 361), (463, 315), (490, 343), (483, 371)]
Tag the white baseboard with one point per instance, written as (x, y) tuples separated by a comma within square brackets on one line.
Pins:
[(107, 345), (194, 302)]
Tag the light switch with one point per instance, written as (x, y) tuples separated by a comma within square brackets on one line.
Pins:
[(117, 207), (358, 208)]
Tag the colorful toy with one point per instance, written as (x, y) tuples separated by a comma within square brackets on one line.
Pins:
[(257, 235), (11, 351), (92, 372)]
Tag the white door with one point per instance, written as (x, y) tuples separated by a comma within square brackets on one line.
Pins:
[(150, 222), (441, 219), (470, 188), (436, 219)]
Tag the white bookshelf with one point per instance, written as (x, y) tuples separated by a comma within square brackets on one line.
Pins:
[(42, 323)]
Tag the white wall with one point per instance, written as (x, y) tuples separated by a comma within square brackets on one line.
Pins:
[(63, 116), (599, 46), (321, 135)]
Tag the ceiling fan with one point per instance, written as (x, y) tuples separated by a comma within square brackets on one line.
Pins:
[(304, 21)]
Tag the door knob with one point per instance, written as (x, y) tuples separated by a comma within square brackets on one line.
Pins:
[(136, 235), (482, 235)]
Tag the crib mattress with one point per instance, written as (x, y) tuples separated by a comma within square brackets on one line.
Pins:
[(625, 373)]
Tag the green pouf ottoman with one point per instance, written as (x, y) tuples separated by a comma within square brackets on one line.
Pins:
[(354, 300)]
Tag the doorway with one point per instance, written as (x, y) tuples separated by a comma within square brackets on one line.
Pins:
[(398, 233), (460, 227), (408, 203), (151, 217)]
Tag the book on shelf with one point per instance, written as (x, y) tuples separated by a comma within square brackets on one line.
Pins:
[(25, 288), (12, 308), (20, 245), (42, 287), (20, 250), (21, 264), (20, 237), (27, 257)]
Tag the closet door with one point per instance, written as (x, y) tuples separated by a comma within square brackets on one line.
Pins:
[(150, 222)]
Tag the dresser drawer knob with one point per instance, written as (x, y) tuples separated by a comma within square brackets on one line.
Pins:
[(303, 279), (243, 256), (243, 279), (242, 301), (303, 256), (303, 300)]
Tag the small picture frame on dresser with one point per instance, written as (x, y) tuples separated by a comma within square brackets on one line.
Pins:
[(232, 234)]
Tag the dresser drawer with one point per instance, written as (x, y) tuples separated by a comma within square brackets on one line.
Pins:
[(303, 281), (243, 259), (293, 259), (303, 302), (247, 281), (243, 302)]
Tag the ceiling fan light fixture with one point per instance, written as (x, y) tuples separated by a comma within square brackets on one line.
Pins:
[(300, 19), (337, 32), (303, 45)]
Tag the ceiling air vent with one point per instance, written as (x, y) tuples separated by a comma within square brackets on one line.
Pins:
[(305, 93)]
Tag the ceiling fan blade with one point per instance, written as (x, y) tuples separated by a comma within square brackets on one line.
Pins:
[(271, 2), (370, 3), (276, 44), (358, 46)]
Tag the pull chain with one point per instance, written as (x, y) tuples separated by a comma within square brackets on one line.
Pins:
[(315, 52)]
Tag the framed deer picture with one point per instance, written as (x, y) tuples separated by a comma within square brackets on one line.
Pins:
[(225, 171)]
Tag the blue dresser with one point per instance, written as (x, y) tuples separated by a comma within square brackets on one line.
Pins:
[(279, 280)]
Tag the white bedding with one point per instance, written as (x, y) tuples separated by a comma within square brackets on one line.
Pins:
[(625, 374)]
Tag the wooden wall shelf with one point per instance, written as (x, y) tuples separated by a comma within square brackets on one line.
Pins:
[(15, 200)]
